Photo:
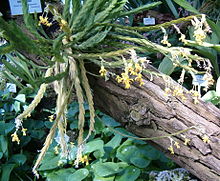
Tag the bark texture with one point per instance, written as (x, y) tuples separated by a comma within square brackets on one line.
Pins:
[(147, 112)]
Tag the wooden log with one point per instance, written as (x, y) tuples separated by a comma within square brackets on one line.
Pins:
[(147, 112)]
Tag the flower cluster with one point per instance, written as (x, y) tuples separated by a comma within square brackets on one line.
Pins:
[(132, 70), (201, 28), (205, 139), (84, 159), (165, 38), (18, 125), (103, 71), (182, 36), (44, 21), (63, 24), (132, 73), (173, 143), (51, 117), (15, 137)]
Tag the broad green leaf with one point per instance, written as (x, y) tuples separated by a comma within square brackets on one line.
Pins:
[(3, 144), (49, 162), (48, 124), (125, 152), (1, 155), (149, 152), (166, 66), (216, 100), (209, 96), (38, 134), (6, 171), (140, 161), (108, 121), (215, 27), (187, 6), (17, 106), (114, 142), (73, 110), (78, 175), (131, 173), (98, 178), (105, 169), (21, 98), (99, 126), (218, 87), (6, 127), (93, 145), (60, 175), (19, 159)]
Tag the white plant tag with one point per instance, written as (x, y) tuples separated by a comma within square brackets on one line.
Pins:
[(198, 80), (16, 6), (149, 21), (11, 87)]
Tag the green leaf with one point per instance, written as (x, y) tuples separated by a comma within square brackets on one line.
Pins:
[(93, 146), (108, 121), (6, 48), (218, 87), (66, 11), (17, 106), (149, 152), (131, 173), (125, 152), (187, 6), (1, 155), (3, 144), (105, 169), (78, 175), (6, 127), (21, 98), (99, 126), (6, 171), (50, 79), (140, 9), (12, 79), (93, 40), (38, 134), (215, 28), (61, 174), (209, 96), (216, 100), (98, 178), (73, 110), (19, 159), (140, 161), (114, 142), (49, 162), (172, 8), (82, 17), (166, 66)]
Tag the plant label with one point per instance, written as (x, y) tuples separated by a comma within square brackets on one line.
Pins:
[(198, 80), (149, 21), (16, 6), (11, 87)]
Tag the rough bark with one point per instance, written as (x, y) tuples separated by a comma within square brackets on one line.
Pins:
[(169, 114)]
